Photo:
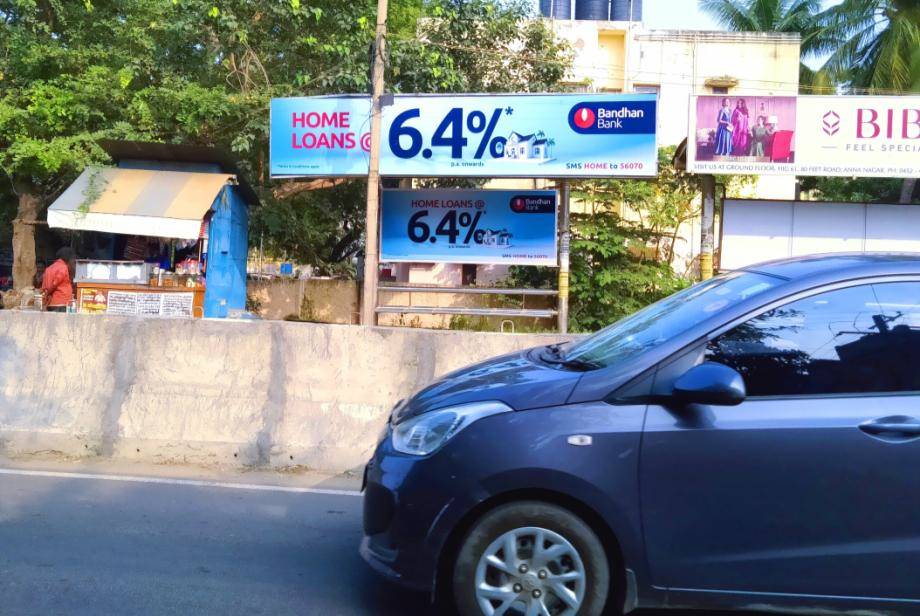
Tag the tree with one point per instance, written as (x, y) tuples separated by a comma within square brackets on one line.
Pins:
[(875, 46), (438, 46), (494, 46), (791, 16), (856, 190), (623, 245), (872, 44), (200, 71), (74, 72), (61, 84)]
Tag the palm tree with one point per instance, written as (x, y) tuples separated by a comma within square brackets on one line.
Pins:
[(869, 45), (790, 16)]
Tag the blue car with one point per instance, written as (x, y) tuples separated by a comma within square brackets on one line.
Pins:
[(752, 442)]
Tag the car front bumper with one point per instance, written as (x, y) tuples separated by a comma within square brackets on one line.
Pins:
[(411, 506)]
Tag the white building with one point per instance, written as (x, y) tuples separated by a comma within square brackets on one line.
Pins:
[(624, 56)]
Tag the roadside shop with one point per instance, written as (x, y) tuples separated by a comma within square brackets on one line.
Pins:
[(164, 233)]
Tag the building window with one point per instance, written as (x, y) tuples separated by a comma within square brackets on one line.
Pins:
[(719, 90), (468, 276), (646, 89)]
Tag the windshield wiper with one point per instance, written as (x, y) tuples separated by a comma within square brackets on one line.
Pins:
[(574, 363)]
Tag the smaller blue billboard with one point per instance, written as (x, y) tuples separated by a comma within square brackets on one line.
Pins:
[(511, 227)]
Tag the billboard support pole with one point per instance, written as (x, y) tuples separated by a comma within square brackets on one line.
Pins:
[(371, 245), (707, 232), (563, 300)]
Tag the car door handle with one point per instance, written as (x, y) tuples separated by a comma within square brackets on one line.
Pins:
[(892, 426)]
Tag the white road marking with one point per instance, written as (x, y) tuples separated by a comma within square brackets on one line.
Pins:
[(179, 482)]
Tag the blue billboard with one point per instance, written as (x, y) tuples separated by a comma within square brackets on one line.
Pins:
[(512, 227), (512, 135)]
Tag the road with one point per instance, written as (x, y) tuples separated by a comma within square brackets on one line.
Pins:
[(77, 545)]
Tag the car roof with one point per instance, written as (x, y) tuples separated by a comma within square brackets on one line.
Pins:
[(841, 266)]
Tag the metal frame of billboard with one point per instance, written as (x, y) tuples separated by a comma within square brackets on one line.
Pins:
[(562, 232)]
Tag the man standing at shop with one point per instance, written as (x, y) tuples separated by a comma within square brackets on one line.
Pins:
[(57, 281)]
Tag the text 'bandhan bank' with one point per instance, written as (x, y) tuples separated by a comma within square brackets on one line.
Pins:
[(527, 135)]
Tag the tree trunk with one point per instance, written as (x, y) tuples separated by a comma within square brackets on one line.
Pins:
[(907, 189), (24, 240)]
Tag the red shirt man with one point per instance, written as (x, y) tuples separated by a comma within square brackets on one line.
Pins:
[(57, 288)]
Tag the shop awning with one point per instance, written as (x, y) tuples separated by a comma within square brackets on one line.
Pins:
[(138, 202)]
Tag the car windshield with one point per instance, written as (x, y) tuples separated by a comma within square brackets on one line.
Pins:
[(667, 318)]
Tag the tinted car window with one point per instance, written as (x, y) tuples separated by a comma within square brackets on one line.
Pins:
[(845, 341), (900, 326), (669, 317)]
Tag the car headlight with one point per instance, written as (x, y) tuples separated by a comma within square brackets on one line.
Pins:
[(426, 433)]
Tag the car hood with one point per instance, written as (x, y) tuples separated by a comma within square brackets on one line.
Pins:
[(516, 379)]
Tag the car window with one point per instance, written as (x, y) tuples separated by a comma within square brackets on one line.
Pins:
[(855, 340), (670, 317)]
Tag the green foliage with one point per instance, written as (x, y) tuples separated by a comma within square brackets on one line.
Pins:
[(95, 186), (610, 276), (857, 190), (869, 44), (621, 263), (491, 47), (517, 325), (203, 72), (873, 44), (322, 227)]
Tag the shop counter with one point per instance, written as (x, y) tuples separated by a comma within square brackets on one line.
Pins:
[(139, 300)]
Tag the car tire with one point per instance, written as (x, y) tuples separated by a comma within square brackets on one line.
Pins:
[(485, 580)]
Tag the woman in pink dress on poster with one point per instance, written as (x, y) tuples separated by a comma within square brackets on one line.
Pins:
[(741, 135)]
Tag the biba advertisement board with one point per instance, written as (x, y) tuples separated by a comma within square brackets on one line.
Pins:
[(866, 136)]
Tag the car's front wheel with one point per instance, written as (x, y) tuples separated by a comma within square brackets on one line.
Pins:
[(531, 559)]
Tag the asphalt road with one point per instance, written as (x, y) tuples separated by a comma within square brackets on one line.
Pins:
[(96, 546)]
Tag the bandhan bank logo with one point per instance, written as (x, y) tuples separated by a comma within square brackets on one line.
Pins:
[(830, 122), (613, 117), (584, 117)]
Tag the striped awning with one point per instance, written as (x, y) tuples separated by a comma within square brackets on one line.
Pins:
[(138, 202)]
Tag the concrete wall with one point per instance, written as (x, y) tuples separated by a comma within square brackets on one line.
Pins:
[(214, 392), (322, 300)]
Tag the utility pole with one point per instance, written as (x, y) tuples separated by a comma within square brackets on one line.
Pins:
[(371, 249), (707, 233), (563, 299)]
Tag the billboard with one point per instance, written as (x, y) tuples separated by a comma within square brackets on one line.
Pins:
[(806, 135), (859, 136), (511, 227), (515, 135), (320, 136)]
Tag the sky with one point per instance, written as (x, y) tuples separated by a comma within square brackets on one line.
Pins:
[(683, 15), (676, 15), (686, 15)]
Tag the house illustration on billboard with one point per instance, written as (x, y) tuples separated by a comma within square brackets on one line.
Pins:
[(533, 148)]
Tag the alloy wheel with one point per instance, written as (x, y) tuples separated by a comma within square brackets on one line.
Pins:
[(530, 571)]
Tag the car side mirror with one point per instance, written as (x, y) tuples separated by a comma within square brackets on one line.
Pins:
[(710, 383)]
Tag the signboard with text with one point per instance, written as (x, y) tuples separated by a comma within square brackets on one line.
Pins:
[(523, 135), (511, 227), (855, 136)]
